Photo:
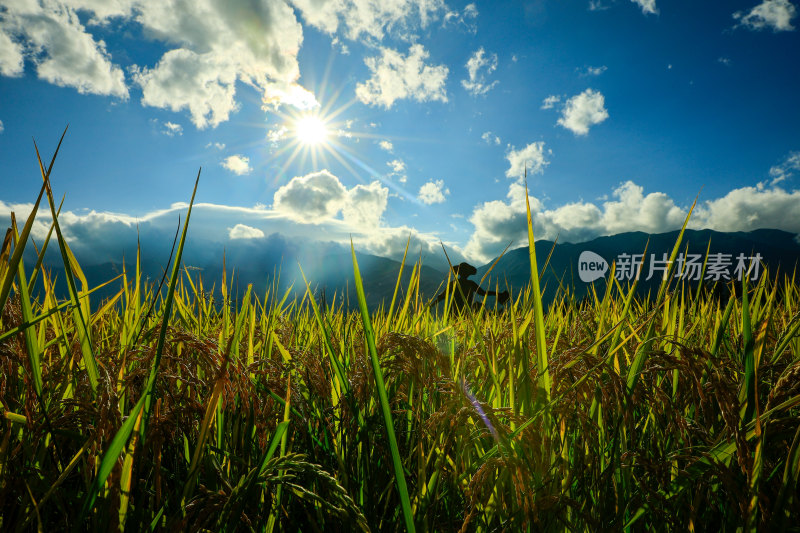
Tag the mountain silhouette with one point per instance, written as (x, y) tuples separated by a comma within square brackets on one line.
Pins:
[(328, 267)]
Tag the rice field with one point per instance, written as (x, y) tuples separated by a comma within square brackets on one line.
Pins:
[(164, 409)]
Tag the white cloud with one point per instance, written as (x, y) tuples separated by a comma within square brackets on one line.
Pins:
[(784, 171), (64, 53), (372, 19), (100, 237), (171, 129), (2, 128), (490, 138), (499, 222), (551, 101), (311, 197), (364, 205), (238, 164), (183, 79), (750, 208), (774, 14), (598, 5), (284, 93), (211, 45), (532, 157), (397, 165), (241, 231), (648, 6), (583, 111), (218, 146), (11, 59), (391, 242), (725, 61), (396, 76), (433, 192), (276, 134), (479, 66), (103, 9), (465, 19), (386, 145), (593, 71)]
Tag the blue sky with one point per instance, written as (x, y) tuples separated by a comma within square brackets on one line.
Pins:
[(622, 111)]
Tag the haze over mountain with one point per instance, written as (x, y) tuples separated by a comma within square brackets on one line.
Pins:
[(328, 267), (779, 252)]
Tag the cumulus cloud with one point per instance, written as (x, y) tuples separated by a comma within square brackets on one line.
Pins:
[(52, 36), (211, 45), (499, 222), (364, 204), (583, 111), (241, 231), (386, 145), (533, 157), (316, 195), (238, 164), (479, 66), (750, 208), (11, 59), (320, 196), (490, 138), (776, 15), (396, 77), (648, 6), (433, 192), (370, 19)]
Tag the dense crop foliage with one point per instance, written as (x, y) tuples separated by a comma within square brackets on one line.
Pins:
[(163, 408)]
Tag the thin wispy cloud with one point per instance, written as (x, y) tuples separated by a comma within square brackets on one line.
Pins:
[(479, 67), (490, 138), (171, 129), (775, 15)]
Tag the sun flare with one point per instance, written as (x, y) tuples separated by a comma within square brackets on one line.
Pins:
[(311, 130)]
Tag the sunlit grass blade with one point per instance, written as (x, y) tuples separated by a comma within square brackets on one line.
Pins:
[(645, 346), (399, 474), (118, 443), (80, 319), (31, 342), (542, 362)]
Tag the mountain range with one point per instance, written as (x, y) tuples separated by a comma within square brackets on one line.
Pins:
[(328, 266)]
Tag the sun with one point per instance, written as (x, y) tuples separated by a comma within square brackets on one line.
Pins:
[(311, 130)]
